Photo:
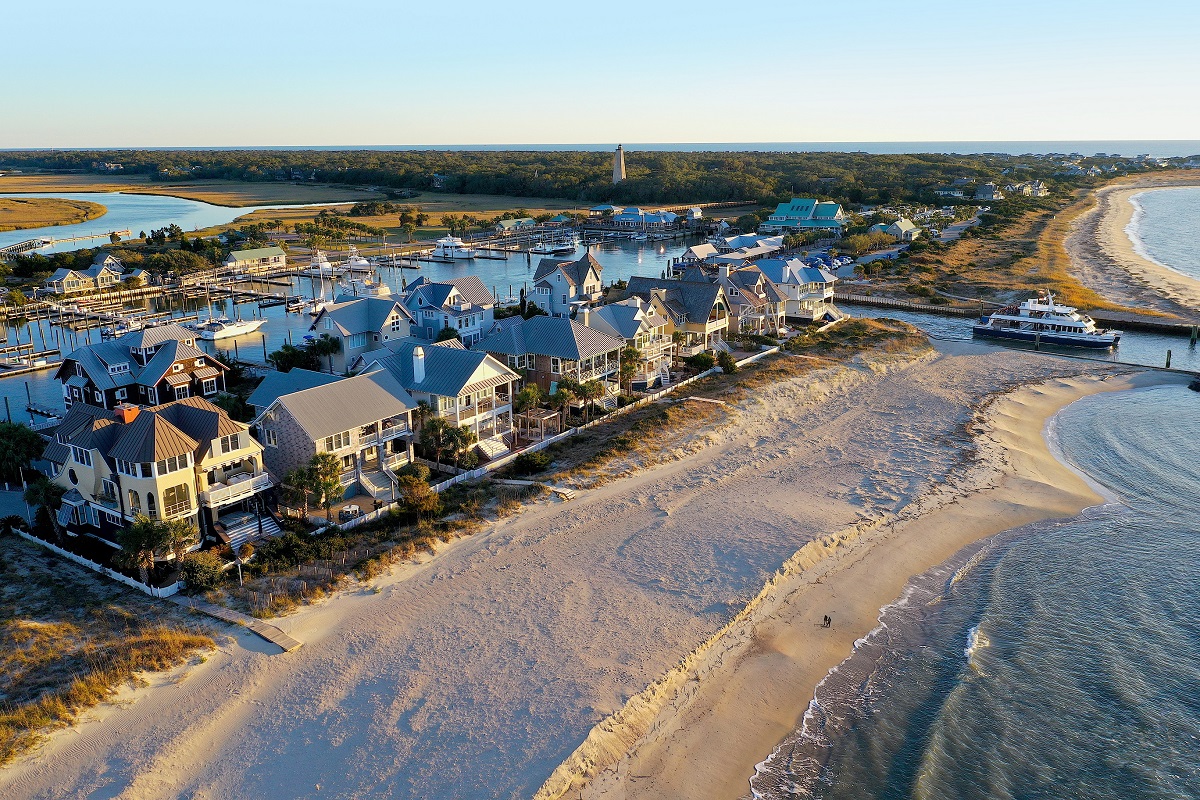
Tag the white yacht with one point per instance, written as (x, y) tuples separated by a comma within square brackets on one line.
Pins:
[(356, 263), (319, 266), (452, 247), (553, 248), (225, 328), (1042, 320)]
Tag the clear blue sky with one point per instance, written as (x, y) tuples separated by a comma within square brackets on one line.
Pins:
[(264, 72)]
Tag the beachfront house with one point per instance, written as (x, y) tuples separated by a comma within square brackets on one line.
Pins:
[(562, 286), (255, 261), (364, 421), (548, 349), (106, 271), (276, 384), (181, 460), (698, 310), (361, 324), (801, 213), (146, 367), (635, 322), (988, 192), (809, 290), (463, 306), (465, 387)]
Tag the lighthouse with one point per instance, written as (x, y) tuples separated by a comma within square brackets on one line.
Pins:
[(619, 164)]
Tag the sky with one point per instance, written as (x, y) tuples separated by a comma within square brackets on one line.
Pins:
[(223, 73)]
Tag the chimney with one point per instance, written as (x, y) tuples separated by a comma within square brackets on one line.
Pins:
[(585, 315), (418, 364), (126, 412), (723, 270)]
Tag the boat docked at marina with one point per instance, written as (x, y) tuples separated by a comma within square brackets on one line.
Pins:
[(553, 248), (452, 247), (356, 263), (122, 327), (319, 266), (225, 328), (1041, 320)]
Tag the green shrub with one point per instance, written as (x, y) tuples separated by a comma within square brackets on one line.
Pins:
[(419, 471), (701, 361), (726, 363), (529, 463), (201, 571)]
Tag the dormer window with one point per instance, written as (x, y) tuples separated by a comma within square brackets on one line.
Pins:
[(199, 362), (177, 368)]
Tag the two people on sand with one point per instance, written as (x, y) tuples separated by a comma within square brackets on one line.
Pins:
[(826, 621)]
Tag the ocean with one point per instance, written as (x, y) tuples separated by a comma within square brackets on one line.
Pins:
[(1058, 660), (1166, 228)]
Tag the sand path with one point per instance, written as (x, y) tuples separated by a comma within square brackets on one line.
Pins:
[(476, 673)]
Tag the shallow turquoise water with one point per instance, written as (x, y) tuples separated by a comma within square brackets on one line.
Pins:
[(1166, 228), (1060, 660)]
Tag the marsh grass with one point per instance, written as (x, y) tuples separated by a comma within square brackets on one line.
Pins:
[(19, 213), (69, 640)]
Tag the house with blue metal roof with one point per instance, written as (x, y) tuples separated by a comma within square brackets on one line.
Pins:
[(802, 213), (464, 305), (549, 349), (809, 290), (465, 387)]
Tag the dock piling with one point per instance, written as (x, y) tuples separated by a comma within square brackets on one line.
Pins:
[(1168, 359), (1195, 334)]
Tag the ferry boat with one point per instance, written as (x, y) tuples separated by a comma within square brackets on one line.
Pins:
[(452, 247), (225, 328), (1042, 320), (356, 263)]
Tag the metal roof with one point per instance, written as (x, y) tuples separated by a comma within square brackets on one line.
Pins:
[(151, 437), (277, 384), (255, 253), (551, 336), (449, 371), (347, 404)]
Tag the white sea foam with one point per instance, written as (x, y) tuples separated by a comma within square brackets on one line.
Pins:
[(976, 641), (1136, 230)]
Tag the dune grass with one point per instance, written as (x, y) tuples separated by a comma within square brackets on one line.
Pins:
[(22, 213), (69, 640)]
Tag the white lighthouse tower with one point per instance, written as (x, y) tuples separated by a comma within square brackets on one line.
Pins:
[(619, 164)]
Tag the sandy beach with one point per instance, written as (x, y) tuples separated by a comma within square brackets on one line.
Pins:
[(479, 672), (1104, 259)]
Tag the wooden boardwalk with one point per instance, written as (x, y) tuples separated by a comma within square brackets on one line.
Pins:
[(257, 626)]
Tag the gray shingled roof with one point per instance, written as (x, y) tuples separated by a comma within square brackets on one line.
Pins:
[(277, 384), (360, 314), (575, 271), (449, 371), (347, 404), (693, 299), (621, 319), (96, 358), (551, 336), (149, 337)]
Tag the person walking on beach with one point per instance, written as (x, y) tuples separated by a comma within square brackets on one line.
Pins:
[(826, 621)]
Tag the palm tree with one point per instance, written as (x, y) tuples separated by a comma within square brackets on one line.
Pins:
[(181, 534), (459, 441), (561, 400), (435, 435), (591, 391), (293, 490), (324, 480), (141, 543), (630, 358), (326, 345)]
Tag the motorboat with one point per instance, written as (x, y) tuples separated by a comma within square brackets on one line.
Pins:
[(452, 247), (225, 328), (319, 266), (356, 263), (123, 326), (1043, 321), (553, 248)]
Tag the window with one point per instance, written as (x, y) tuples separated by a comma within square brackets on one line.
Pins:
[(122, 394), (555, 365), (347, 462), (99, 397), (82, 456), (176, 500), (151, 510), (328, 324), (174, 464), (147, 472), (210, 386), (395, 323), (135, 504), (337, 441), (229, 443), (199, 362), (269, 438), (177, 368), (181, 392), (152, 395), (109, 488)]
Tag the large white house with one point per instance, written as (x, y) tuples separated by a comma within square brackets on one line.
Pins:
[(809, 290)]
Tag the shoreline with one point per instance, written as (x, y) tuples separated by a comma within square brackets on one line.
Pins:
[(702, 729), (1105, 257)]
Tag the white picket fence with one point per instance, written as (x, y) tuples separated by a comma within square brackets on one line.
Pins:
[(492, 466), (153, 591)]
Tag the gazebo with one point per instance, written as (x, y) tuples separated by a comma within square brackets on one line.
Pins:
[(536, 418)]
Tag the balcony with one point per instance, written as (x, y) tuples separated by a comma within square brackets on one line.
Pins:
[(686, 350), (597, 373), (386, 435), (235, 488), (108, 501)]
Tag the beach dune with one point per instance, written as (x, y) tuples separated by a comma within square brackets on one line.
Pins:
[(478, 672)]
